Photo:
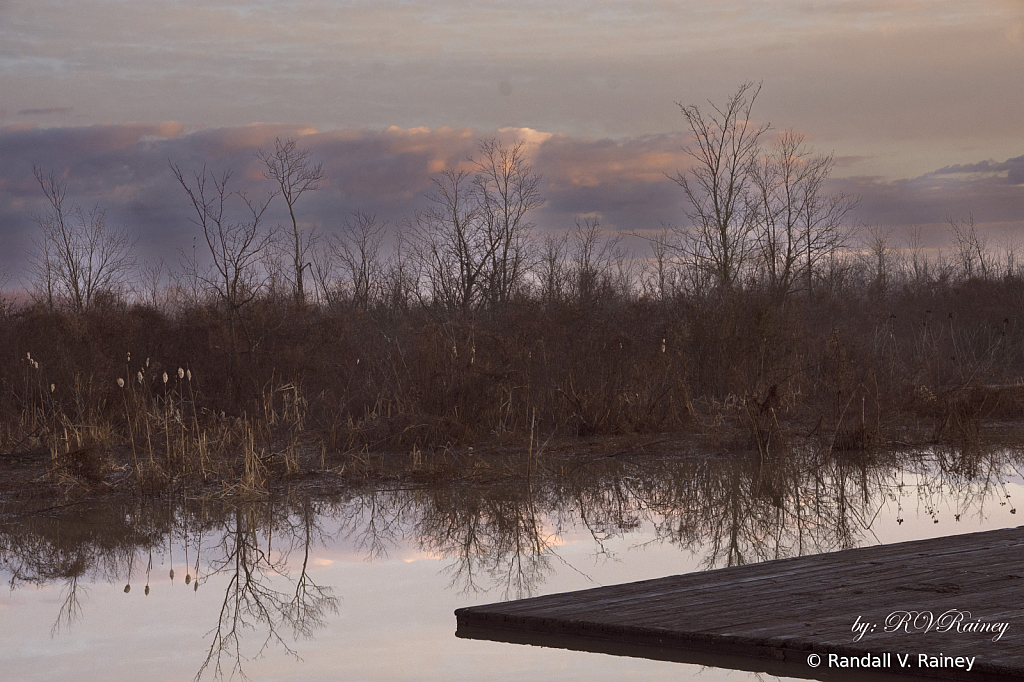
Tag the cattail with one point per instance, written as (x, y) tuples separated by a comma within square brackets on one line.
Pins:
[(663, 345), (181, 373), (53, 387), (147, 590), (165, 377), (120, 382), (188, 374), (127, 588), (129, 357), (139, 377), (172, 574), (188, 578), (35, 364), (195, 588)]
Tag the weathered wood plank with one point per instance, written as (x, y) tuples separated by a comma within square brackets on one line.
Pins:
[(771, 616)]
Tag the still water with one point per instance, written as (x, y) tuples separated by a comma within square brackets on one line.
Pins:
[(359, 583)]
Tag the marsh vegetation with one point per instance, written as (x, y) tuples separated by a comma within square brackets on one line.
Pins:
[(767, 323)]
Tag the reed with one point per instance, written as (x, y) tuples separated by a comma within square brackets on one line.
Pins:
[(319, 386)]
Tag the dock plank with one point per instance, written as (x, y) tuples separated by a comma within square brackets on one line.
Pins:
[(771, 616)]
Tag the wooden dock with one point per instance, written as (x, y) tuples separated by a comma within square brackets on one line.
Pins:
[(771, 617)]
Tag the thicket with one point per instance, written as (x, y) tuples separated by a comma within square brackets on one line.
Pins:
[(850, 365), (764, 318)]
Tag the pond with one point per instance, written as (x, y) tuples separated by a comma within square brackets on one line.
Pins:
[(359, 582)]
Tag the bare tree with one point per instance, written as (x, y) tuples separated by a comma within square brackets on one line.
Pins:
[(295, 174), (918, 264), (451, 242), (592, 260), (400, 277), (507, 189), (797, 223), (553, 274), (236, 247), (358, 251), (879, 258), (721, 210), (1010, 245), (474, 244), (971, 248), (79, 257), (661, 273)]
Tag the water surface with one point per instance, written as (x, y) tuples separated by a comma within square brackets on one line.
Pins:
[(359, 583)]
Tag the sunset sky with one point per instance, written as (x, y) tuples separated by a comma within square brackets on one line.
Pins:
[(922, 102)]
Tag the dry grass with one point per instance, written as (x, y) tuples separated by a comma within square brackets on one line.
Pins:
[(138, 395)]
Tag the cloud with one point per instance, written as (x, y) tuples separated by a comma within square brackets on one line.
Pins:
[(626, 181), (594, 67), (1012, 170)]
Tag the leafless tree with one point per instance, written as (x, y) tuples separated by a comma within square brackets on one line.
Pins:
[(797, 223), (718, 186), (236, 247), (473, 244), (971, 248), (357, 250), (880, 258), (79, 257), (592, 261), (400, 277), (507, 189), (552, 273), (661, 271), (451, 243), (1010, 245), (295, 174)]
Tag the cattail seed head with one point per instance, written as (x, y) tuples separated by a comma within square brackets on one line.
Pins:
[(29, 356), (147, 363), (147, 590), (139, 377), (53, 387), (120, 382), (181, 373), (172, 574), (188, 373), (127, 588), (188, 578), (35, 364), (663, 345), (195, 588), (129, 357), (165, 377)]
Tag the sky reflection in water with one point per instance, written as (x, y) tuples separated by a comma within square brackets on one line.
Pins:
[(362, 584)]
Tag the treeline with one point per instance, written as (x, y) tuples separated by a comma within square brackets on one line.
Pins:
[(764, 316)]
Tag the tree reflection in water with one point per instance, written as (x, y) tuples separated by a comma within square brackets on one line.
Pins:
[(250, 597), (502, 537)]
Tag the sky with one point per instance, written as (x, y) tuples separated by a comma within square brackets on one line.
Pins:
[(921, 102)]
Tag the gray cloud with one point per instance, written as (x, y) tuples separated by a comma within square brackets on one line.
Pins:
[(1013, 168), (625, 181)]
